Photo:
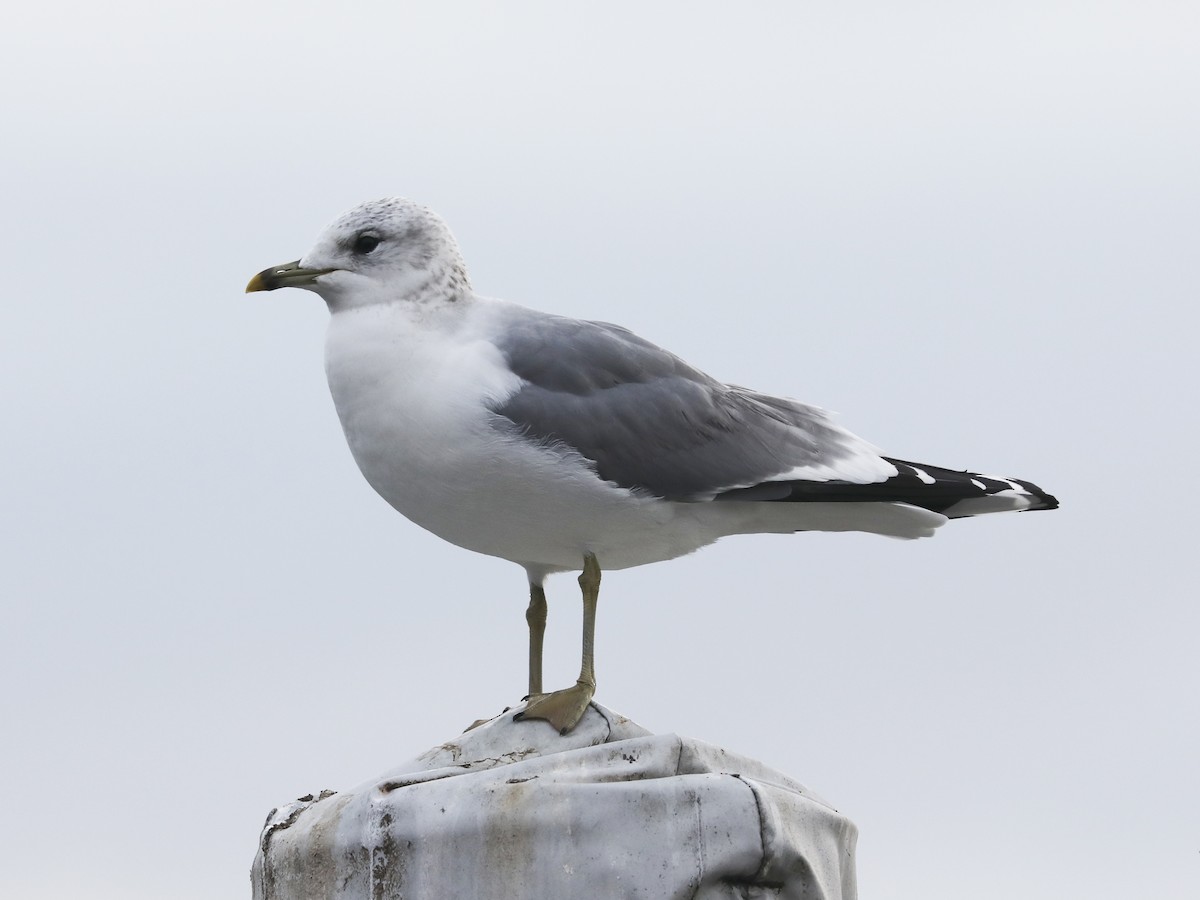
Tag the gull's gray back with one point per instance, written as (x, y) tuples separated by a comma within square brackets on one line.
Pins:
[(647, 419)]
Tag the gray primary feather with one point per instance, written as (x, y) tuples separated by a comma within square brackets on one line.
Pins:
[(647, 419)]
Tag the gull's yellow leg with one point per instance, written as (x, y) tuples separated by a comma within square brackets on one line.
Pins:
[(563, 709), (535, 616)]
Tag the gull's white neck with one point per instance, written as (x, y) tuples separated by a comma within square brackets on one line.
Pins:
[(410, 382)]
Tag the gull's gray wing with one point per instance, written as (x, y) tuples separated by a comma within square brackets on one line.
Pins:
[(649, 421)]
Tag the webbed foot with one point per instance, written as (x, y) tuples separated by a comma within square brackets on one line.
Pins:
[(562, 709)]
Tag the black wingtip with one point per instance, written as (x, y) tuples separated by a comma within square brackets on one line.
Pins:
[(952, 492), (1046, 501)]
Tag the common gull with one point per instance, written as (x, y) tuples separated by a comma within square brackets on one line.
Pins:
[(562, 444)]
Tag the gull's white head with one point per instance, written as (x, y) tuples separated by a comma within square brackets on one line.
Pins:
[(383, 251)]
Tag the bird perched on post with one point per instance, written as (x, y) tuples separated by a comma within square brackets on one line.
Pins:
[(563, 445)]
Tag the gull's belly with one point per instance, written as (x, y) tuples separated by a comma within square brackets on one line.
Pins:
[(520, 503), (493, 494)]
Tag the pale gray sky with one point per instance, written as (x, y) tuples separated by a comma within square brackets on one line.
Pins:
[(970, 228)]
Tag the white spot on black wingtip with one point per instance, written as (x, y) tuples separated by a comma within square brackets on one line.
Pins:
[(923, 475)]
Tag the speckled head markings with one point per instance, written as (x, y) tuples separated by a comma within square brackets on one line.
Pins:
[(383, 251), (562, 444)]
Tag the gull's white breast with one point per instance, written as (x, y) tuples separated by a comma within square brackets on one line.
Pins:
[(413, 388)]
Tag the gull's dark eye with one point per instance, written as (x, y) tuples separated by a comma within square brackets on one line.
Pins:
[(365, 243)]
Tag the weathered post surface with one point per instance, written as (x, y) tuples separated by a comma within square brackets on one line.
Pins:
[(515, 810)]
